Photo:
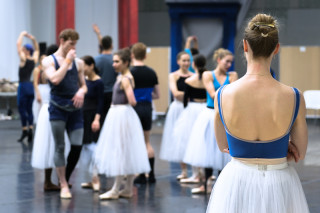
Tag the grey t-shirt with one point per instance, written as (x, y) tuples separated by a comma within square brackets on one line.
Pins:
[(107, 73)]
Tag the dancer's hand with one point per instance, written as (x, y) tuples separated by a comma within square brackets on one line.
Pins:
[(71, 55), (96, 29), (78, 99), (226, 150), (293, 153), (95, 126)]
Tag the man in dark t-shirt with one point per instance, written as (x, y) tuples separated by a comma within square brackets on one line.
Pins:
[(146, 89)]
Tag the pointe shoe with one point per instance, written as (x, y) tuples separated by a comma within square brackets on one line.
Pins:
[(190, 180), (109, 195), (86, 185), (96, 187), (183, 175), (125, 194), (213, 177), (198, 190), (65, 194)]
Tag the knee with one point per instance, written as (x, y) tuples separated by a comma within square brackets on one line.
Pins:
[(76, 137)]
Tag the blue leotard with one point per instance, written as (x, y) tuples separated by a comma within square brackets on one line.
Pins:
[(277, 148)]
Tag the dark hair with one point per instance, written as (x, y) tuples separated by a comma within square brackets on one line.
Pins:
[(69, 34), (29, 47), (51, 49), (194, 51), (200, 63), (88, 60), (262, 35), (106, 42), (139, 50), (124, 54)]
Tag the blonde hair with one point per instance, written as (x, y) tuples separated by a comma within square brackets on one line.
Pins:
[(262, 35), (221, 53), (139, 50)]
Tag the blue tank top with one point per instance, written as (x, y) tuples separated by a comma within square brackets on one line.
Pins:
[(217, 85), (277, 148), (69, 85)]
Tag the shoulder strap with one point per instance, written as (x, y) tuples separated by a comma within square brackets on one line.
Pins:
[(297, 104), (213, 75), (227, 81), (219, 104), (56, 64)]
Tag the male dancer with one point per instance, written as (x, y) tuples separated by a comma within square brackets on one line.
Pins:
[(104, 64), (66, 77), (146, 89)]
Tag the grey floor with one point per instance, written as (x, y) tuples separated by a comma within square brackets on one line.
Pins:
[(21, 186)]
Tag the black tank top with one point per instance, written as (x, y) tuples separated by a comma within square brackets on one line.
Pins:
[(26, 70), (181, 85), (68, 87), (192, 93)]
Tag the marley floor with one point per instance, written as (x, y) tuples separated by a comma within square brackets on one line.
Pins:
[(21, 186)]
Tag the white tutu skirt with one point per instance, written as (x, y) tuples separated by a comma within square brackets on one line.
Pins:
[(43, 143), (182, 130), (121, 149), (44, 90), (243, 189), (175, 109), (202, 149)]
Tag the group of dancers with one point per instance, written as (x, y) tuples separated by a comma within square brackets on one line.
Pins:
[(239, 127)]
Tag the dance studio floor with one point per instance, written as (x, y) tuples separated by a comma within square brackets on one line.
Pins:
[(21, 186)]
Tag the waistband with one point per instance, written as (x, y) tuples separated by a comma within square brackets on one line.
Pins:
[(262, 167), (120, 105)]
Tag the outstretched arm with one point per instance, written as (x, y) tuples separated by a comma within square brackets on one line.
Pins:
[(96, 29), (21, 54)]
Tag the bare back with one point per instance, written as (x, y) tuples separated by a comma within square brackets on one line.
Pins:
[(260, 109)]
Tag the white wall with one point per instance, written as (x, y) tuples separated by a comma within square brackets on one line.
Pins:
[(104, 13), (14, 18), (43, 20)]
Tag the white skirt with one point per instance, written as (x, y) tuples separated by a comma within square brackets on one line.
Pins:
[(44, 90), (175, 109), (202, 149), (243, 189), (182, 130), (43, 143), (121, 149)]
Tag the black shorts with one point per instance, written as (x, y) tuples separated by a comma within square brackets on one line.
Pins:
[(144, 111)]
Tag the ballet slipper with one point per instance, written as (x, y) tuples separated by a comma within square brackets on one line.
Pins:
[(109, 195), (65, 193), (126, 193)]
